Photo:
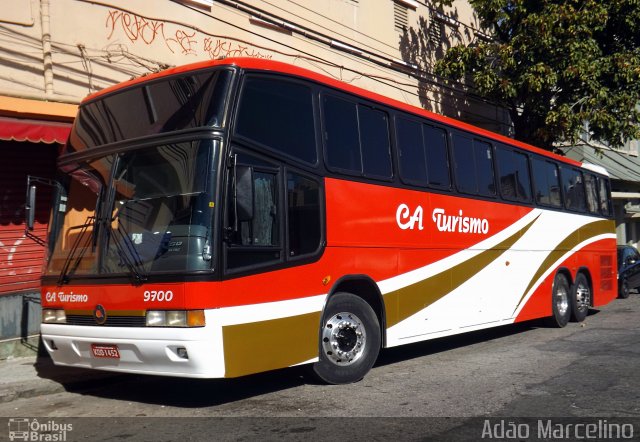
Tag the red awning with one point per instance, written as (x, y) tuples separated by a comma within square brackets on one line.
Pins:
[(35, 131)]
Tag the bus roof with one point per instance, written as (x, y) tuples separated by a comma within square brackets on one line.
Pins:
[(289, 69)]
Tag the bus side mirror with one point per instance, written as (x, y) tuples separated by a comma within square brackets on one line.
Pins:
[(30, 208), (244, 193)]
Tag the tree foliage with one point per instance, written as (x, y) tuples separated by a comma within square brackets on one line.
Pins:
[(556, 65)]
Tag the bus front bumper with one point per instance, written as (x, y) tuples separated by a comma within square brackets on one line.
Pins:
[(182, 352)]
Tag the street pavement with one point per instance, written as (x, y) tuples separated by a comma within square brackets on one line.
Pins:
[(32, 376)]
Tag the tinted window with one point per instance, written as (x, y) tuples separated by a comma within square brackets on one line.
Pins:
[(413, 168), (279, 115), (465, 168), (573, 188), (255, 240), (303, 201), (341, 135), (484, 168), (515, 184), (473, 166), (164, 105), (547, 182), (591, 189), (374, 140), (603, 194), (435, 141)]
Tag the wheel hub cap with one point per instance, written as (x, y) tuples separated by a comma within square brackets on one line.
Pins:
[(343, 338)]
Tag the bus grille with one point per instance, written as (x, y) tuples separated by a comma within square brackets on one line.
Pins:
[(112, 321)]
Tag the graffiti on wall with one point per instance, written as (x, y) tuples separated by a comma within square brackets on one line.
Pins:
[(175, 38), (7, 252)]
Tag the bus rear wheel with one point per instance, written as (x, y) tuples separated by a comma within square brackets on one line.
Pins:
[(349, 340), (560, 303), (580, 298)]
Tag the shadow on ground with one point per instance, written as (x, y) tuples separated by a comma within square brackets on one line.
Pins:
[(194, 393)]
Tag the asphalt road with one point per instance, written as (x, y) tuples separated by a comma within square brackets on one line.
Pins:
[(588, 370)]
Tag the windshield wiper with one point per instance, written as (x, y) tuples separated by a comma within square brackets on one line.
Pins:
[(128, 253), (68, 268)]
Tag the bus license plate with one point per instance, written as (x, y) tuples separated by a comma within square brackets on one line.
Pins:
[(105, 351)]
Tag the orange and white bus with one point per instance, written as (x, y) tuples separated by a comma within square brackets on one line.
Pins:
[(242, 215)]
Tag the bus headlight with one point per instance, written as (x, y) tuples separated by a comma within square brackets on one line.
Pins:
[(54, 316), (175, 318)]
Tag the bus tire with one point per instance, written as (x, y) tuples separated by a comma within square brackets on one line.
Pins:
[(623, 288), (580, 298), (349, 340), (560, 302)]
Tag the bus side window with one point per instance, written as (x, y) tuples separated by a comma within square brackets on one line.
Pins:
[(513, 169), (473, 166), (592, 192), (303, 215), (435, 146), (374, 142), (256, 240), (573, 188), (546, 182), (342, 141), (603, 194), (413, 168), (279, 115)]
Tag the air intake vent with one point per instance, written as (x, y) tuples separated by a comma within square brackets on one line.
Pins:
[(400, 17)]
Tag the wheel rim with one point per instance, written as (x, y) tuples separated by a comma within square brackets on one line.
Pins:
[(625, 287), (562, 301), (583, 297), (344, 338)]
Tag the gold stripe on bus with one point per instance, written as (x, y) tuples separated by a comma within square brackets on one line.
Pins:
[(572, 240), (266, 345), (405, 302)]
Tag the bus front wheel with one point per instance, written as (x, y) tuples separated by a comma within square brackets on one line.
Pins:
[(560, 301), (349, 340)]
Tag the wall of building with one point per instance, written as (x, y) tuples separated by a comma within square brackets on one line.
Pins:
[(65, 49)]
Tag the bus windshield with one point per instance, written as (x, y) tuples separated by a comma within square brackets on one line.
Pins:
[(137, 212)]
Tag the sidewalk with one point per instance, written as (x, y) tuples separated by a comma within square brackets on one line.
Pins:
[(32, 376)]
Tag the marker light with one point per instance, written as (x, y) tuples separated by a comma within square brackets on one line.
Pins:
[(54, 316), (175, 318)]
